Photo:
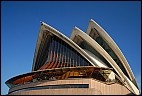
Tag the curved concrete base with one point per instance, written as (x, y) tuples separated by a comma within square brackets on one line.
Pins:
[(95, 88)]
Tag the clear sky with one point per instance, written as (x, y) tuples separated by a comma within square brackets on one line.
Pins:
[(21, 23)]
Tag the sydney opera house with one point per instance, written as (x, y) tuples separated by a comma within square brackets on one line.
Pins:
[(87, 63)]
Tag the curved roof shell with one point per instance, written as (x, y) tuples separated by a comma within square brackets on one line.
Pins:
[(50, 30), (113, 46), (77, 32)]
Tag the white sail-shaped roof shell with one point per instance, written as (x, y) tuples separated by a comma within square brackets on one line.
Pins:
[(113, 46), (46, 28), (77, 32)]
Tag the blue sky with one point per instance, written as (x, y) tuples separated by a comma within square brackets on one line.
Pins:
[(21, 23)]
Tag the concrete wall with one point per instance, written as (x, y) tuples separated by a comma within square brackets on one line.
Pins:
[(109, 89), (95, 87)]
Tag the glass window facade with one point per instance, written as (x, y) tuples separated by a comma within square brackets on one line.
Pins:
[(57, 54), (104, 45)]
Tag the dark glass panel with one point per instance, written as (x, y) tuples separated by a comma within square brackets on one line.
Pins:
[(111, 53), (59, 52)]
